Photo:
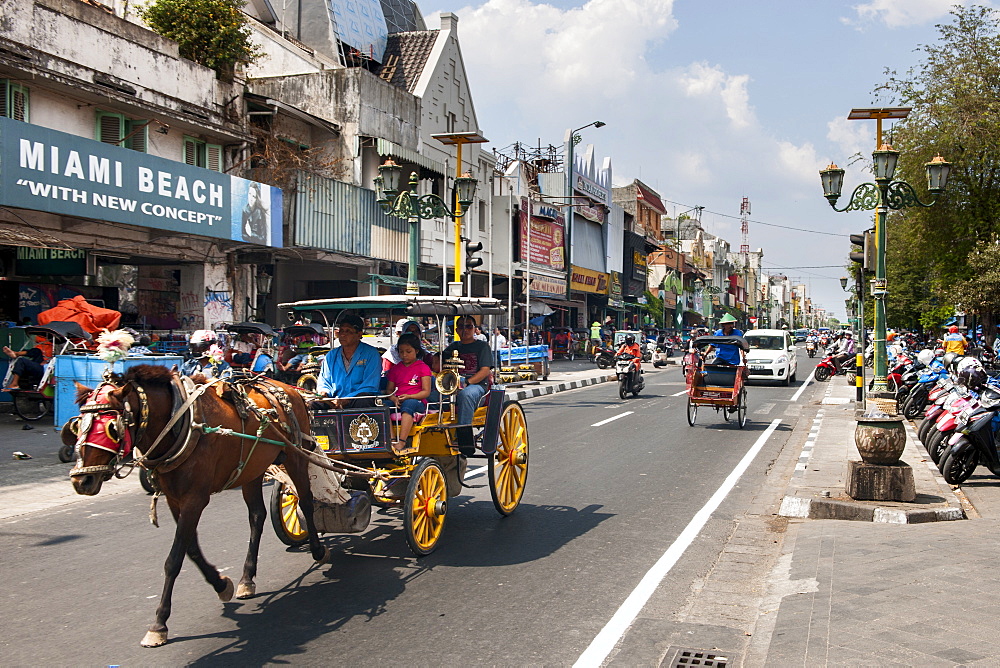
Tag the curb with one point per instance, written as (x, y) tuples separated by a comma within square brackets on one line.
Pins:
[(520, 395), (828, 509)]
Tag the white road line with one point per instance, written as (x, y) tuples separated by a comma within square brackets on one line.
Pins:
[(684, 391), (472, 473), (611, 419), (795, 397), (612, 632)]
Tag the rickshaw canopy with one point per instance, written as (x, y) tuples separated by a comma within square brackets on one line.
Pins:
[(716, 340), (59, 329), (412, 305), (251, 328)]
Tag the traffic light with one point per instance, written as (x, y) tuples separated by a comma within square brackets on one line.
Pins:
[(865, 257), (471, 261)]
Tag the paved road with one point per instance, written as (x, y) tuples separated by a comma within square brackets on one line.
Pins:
[(604, 503)]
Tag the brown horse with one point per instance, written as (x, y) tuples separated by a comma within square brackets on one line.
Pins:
[(189, 464)]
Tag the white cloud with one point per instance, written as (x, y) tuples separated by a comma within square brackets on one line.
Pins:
[(799, 161), (703, 80), (900, 13)]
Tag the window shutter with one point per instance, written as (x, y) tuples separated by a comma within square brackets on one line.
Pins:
[(190, 151), (137, 135), (18, 96), (213, 157), (4, 96), (110, 127)]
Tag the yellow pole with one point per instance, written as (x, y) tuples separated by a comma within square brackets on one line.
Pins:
[(458, 228)]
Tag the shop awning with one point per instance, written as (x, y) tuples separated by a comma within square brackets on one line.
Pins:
[(388, 149), (399, 280)]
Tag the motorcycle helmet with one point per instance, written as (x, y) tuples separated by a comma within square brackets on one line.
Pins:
[(973, 377), (629, 339), (925, 357), (201, 340)]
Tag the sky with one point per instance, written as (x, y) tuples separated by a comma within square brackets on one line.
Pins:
[(708, 101)]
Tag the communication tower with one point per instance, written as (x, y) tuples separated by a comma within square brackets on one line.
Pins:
[(745, 228)]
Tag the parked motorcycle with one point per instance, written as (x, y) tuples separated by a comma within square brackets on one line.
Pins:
[(974, 443), (604, 357), (629, 376)]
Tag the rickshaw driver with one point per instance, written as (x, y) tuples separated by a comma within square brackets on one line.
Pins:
[(477, 360), (28, 367), (352, 369), (727, 353)]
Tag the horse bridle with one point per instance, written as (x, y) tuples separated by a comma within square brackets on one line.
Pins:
[(121, 429)]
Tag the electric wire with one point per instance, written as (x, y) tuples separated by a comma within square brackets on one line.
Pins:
[(760, 222)]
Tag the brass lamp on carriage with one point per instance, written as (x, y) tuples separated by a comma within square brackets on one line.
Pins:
[(414, 208)]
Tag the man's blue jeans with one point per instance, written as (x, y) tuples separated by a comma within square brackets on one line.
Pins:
[(467, 400)]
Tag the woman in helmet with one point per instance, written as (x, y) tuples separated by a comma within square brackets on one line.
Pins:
[(953, 342)]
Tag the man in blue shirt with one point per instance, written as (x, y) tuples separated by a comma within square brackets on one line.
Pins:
[(352, 369), (727, 353)]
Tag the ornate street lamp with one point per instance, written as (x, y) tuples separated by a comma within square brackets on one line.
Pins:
[(408, 204), (881, 196)]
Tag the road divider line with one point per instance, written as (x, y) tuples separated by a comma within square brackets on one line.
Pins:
[(611, 419), (684, 391), (798, 393), (601, 646), (472, 473)]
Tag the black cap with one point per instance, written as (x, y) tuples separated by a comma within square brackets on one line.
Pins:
[(354, 321)]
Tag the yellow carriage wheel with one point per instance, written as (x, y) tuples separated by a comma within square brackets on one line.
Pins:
[(508, 469), (425, 507), (286, 516)]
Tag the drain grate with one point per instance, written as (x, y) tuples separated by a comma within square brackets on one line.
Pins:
[(684, 657)]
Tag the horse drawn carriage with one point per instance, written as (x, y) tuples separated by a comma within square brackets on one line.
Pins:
[(199, 436), (716, 385)]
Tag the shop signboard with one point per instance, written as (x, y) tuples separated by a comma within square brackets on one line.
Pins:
[(548, 236), (47, 170), (50, 261), (588, 280), (546, 286), (615, 286)]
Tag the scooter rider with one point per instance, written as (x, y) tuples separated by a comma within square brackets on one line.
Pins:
[(630, 347), (845, 350)]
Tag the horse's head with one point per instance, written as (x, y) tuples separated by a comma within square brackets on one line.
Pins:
[(103, 433)]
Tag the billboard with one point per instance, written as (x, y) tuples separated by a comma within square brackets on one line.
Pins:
[(548, 235), (48, 170)]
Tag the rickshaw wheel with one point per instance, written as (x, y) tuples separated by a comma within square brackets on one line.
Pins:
[(286, 516), (692, 412), (31, 406), (425, 507), (726, 415), (508, 469), (307, 382), (741, 409)]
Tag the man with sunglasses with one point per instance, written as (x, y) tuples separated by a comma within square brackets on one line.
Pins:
[(477, 363)]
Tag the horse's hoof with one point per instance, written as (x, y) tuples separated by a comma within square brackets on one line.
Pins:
[(246, 590), (154, 639), (325, 559), (226, 594)]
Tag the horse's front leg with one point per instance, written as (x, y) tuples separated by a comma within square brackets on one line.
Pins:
[(185, 542), (253, 494)]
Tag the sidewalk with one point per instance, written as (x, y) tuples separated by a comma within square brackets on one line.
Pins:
[(887, 591), (42, 483)]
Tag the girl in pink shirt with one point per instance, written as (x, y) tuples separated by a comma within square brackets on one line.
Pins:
[(409, 385)]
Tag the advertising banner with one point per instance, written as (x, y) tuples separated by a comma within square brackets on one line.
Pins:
[(588, 280), (548, 235), (545, 286), (48, 170)]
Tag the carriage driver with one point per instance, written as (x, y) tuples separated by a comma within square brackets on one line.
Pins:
[(352, 369)]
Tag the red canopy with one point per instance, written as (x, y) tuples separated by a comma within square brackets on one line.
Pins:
[(92, 319)]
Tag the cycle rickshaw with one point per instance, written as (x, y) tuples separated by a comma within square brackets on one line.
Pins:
[(431, 471), (263, 338), (720, 386), (33, 402)]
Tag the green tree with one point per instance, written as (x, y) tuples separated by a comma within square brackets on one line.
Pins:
[(654, 307), (213, 33), (954, 93)]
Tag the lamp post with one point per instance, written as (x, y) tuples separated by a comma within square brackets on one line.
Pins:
[(569, 207), (414, 208), (881, 196)]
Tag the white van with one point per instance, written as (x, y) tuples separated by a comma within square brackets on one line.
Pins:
[(772, 355)]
